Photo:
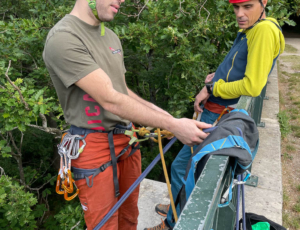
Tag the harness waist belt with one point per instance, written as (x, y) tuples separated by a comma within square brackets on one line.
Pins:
[(119, 129), (216, 108)]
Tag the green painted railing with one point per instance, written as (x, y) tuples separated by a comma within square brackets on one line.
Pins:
[(201, 210)]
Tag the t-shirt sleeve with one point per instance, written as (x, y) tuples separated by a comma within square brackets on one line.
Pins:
[(261, 49), (68, 58)]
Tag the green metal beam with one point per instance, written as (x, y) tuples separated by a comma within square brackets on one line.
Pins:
[(199, 211)]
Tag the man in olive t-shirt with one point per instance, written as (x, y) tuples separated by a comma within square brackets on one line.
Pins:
[(86, 65), (73, 50)]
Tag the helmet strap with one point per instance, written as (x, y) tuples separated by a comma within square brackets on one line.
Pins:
[(92, 5), (262, 13)]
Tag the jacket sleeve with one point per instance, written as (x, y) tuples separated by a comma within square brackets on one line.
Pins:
[(263, 48)]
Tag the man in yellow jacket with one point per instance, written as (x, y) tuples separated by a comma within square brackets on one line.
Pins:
[(244, 71)]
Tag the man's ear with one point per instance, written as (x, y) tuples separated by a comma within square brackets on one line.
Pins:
[(265, 3)]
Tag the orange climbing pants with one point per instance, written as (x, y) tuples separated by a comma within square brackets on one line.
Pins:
[(99, 200)]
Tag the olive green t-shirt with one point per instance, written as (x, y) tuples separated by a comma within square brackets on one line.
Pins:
[(74, 49)]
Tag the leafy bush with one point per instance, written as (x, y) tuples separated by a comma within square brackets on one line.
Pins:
[(16, 206), (170, 46)]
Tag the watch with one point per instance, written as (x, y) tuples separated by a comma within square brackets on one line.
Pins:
[(209, 87)]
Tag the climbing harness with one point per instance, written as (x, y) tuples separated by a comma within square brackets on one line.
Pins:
[(70, 149), (119, 129)]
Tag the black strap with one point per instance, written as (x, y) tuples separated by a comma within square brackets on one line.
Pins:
[(85, 173), (134, 148), (273, 23), (114, 162)]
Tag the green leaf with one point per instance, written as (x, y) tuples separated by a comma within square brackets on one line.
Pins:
[(43, 109), (6, 115)]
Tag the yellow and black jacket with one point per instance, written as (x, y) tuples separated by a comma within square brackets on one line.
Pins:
[(246, 67)]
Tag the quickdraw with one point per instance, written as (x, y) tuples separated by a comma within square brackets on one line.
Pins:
[(68, 150)]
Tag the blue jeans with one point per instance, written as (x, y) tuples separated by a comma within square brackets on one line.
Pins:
[(179, 165)]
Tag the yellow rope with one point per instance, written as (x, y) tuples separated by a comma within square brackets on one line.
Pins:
[(195, 116), (221, 115), (143, 131), (166, 174)]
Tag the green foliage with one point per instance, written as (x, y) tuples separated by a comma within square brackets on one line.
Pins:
[(16, 206), (170, 46), (69, 216)]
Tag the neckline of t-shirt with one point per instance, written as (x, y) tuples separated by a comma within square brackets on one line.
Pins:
[(84, 23)]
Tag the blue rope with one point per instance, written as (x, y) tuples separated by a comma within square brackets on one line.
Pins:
[(133, 186)]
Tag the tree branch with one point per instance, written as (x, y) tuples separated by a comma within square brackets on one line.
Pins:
[(47, 129), (13, 85), (44, 120), (31, 182), (36, 67), (138, 16), (21, 142), (14, 144), (3, 173), (2, 87), (38, 189), (205, 10), (75, 225)]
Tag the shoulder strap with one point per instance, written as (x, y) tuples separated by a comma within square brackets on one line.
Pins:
[(273, 23), (228, 142)]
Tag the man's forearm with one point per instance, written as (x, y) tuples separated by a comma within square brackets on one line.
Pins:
[(137, 110), (139, 99), (146, 103)]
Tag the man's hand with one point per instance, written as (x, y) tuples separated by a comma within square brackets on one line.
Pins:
[(201, 98), (209, 77), (188, 131)]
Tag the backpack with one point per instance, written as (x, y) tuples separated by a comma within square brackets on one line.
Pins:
[(235, 135), (252, 219)]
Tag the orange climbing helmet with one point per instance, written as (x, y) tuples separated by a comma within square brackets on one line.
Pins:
[(238, 1)]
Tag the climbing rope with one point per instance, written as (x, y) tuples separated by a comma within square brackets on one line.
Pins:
[(166, 174), (221, 115)]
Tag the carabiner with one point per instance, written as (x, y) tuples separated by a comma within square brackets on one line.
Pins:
[(68, 198), (68, 180), (58, 188)]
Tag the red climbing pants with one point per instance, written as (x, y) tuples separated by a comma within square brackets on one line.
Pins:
[(99, 200)]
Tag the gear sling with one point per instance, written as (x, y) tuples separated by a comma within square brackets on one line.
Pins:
[(85, 173)]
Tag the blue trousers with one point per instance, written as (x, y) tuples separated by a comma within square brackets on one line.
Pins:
[(179, 165)]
